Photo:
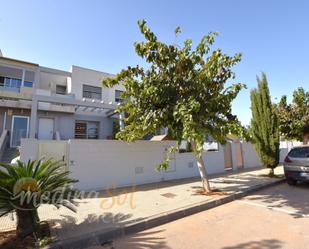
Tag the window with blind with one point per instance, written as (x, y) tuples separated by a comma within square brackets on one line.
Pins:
[(86, 130), (92, 92)]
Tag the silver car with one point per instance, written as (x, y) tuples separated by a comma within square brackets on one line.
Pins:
[(296, 165)]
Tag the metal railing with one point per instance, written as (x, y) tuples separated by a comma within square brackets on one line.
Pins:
[(3, 142), (10, 89)]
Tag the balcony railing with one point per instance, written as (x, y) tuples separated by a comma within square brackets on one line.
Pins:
[(48, 92), (10, 89)]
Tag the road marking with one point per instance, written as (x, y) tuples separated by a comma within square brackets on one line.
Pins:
[(282, 210)]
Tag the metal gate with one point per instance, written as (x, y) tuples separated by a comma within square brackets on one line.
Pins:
[(228, 162)]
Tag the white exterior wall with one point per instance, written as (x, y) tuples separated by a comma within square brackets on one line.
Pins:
[(214, 160), (116, 163), (99, 164), (29, 149), (250, 156), (49, 81), (83, 76)]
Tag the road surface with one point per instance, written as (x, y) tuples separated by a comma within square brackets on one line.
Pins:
[(276, 217)]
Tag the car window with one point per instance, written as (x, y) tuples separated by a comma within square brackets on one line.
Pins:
[(300, 152)]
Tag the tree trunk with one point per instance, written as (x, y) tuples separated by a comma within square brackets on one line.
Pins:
[(202, 170), (271, 172), (27, 222), (306, 138)]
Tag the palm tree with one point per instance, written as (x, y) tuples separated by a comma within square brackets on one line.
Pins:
[(25, 186)]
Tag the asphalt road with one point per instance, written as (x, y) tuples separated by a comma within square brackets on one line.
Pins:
[(276, 217)]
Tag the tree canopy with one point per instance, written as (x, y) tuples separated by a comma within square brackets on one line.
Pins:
[(181, 88), (294, 117)]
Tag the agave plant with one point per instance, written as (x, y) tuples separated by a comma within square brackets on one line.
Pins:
[(25, 186)]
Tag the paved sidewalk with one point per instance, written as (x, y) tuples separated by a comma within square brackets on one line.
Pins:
[(116, 208)]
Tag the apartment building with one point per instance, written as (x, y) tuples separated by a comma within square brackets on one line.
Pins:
[(46, 103)]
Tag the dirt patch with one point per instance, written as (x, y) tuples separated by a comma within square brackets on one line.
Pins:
[(272, 176), (214, 192), (169, 195), (9, 240)]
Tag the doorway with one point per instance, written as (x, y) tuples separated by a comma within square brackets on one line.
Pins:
[(239, 156), (46, 129), (228, 162), (20, 127)]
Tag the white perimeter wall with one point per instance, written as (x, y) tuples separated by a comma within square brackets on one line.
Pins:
[(250, 157), (99, 164)]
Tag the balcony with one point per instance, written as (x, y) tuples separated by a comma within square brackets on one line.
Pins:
[(48, 92), (16, 80), (9, 89)]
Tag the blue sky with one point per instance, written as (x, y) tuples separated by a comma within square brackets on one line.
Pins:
[(272, 35)]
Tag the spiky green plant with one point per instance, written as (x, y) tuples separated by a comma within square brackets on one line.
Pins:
[(265, 125), (25, 186)]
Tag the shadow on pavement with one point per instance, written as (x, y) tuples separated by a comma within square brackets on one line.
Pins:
[(294, 198), (142, 240), (70, 226), (262, 244), (233, 183)]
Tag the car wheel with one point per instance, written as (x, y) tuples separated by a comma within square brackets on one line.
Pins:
[(291, 182)]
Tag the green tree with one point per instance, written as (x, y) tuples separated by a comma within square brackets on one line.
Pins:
[(182, 89), (25, 186), (294, 117), (265, 125)]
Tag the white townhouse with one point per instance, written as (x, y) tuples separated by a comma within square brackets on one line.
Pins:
[(51, 104)]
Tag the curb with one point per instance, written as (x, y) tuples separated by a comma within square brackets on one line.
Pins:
[(100, 237)]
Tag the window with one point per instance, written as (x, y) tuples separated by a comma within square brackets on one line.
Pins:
[(13, 82), (1, 81), (118, 97), (28, 84), (184, 146), (86, 130), (81, 130), (92, 130), (61, 89), (302, 152), (210, 146), (92, 92)]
